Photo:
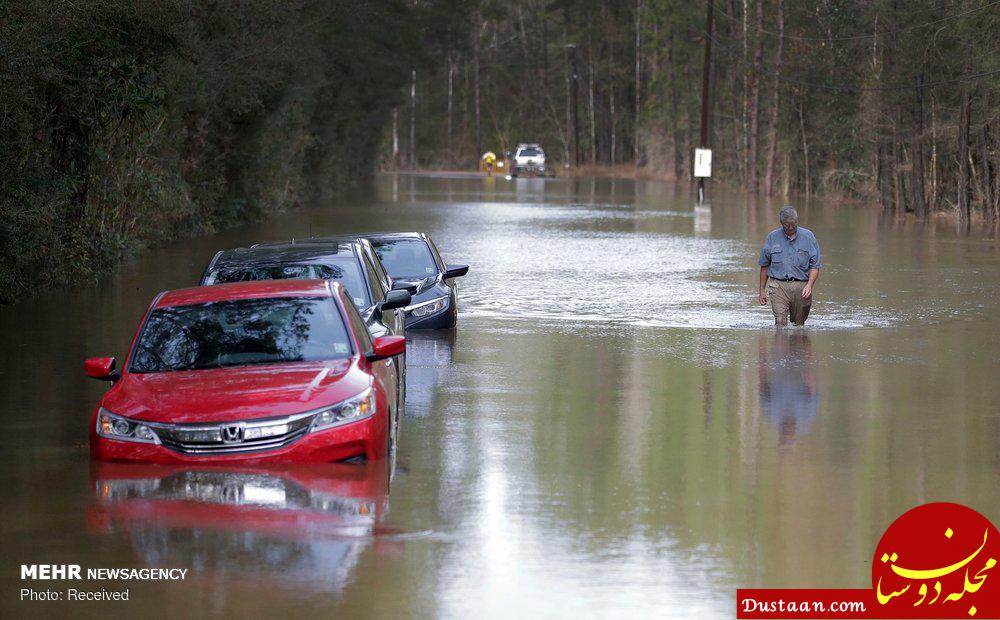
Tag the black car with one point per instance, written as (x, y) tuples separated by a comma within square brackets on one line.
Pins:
[(352, 262), (414, 263)]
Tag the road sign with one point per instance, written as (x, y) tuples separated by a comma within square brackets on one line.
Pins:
[(703, 162)]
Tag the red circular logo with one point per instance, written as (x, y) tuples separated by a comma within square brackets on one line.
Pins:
[(938, 561)]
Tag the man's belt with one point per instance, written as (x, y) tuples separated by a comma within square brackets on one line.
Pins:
[(789, 280)]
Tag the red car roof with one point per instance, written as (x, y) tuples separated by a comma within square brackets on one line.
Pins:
[(246, 290)]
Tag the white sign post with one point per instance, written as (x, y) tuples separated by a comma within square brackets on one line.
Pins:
[(702, 163), (702, 170)]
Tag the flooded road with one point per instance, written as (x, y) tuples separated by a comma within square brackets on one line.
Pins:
[(614, 427)]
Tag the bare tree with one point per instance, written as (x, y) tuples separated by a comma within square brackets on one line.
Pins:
[(451, 99), (917, 167), (638, 79), (772, 145), (395, 138), (758, 62), (413, 118), (805, 149), (965, 111)]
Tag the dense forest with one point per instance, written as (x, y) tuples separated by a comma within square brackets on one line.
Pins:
[(889, 101), (126, 122)]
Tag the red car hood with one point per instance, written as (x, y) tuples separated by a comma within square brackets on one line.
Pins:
[(238, 393)]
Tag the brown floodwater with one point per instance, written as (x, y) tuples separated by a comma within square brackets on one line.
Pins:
[(614, 427)]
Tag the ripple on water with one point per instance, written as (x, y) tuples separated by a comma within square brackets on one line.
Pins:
[(584, 264), (638, 279)]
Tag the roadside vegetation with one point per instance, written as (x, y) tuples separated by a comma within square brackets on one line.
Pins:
[(892, 102), (127, 122)]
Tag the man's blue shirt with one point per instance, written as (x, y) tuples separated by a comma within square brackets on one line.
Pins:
[(790, 258)]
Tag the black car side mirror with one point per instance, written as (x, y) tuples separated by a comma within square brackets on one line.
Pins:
[(404, 286), (455, 271), (396, 299)]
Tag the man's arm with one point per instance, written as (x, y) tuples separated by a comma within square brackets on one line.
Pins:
[(815, 264), (762, 294), (807, 290)]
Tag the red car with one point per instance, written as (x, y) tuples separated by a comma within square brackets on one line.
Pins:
[(280, 371)]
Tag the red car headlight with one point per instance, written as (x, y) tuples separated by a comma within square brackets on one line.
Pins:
[(351, 410), (113, 426)]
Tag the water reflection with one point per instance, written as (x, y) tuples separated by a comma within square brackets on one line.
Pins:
[(788, 393), (302, 526), (428, 365), (703, 220)]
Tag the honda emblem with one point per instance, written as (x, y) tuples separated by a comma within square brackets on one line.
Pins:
[(232, 434)]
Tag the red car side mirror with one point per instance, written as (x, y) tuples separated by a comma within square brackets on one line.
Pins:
[(386, 346), (102, 368)]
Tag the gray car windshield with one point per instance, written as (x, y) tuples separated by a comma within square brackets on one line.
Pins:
[(406, 258), (241, 332), (346, 271)]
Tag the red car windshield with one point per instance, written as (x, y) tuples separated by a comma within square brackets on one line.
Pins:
[(241, 332)]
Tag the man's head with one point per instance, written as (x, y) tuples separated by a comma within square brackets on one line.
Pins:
[(789, 219)]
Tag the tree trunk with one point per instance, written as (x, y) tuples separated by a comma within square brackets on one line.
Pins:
[(545, 50), (898, 180), (884, 174), (772, 145), (735, 82), (988, 171), (395, 138), (805, 151), (755, 101), (996, 184), (475, 80), (933, 203), (744, 138), (465, 101), (675, 131), (575, 106), (569, 91), (917, 168), (638, 80), (413, 119), (884, 150), (611, 97), (965, 111), (786, 175), (593, 114), (451, 99)]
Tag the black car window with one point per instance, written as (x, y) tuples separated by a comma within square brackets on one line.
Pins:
[(373, 281), (346, 271), (241, 332), (359, 327), (270, 272), (383, 275), (406, 258), (435, 253)]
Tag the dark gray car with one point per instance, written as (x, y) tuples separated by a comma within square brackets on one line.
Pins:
[(414, 264)]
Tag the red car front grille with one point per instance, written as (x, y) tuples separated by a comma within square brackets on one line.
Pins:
[(207, 439)]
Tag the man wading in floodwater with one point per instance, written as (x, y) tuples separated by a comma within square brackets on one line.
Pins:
[(789, 265)]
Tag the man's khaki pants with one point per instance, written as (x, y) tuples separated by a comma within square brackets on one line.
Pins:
[(786, 299)]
